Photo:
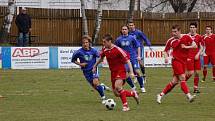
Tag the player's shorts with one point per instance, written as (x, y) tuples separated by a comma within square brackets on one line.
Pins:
[(115, 75), (90, 76), (178, 67), (135, 64), (193, 64), (208, 59)]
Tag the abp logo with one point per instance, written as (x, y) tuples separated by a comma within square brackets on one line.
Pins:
[(25, 52)]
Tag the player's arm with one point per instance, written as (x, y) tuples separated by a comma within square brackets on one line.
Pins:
[(145, 39), (75, 57), (200, 52), (97, 63), (193, 45), (131, 73), (137, 45)]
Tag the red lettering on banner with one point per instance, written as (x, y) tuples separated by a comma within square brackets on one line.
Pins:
[(153, 54), (25, 52)]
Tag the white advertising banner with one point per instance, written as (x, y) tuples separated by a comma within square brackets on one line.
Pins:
[(155, 57), (65, 57), (0, 58), (29, 57)]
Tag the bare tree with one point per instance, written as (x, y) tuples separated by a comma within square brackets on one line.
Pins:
[(98, 21), (180, 6), (131, 10), (84, 19), (5, 30)]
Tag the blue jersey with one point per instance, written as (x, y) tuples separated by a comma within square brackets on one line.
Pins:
[(140, 36), (129, 44), (86, 56)]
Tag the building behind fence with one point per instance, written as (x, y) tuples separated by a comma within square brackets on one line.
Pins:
[(55, 27)]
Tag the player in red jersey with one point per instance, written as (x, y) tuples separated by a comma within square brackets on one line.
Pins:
[(193, 60), (209, 55), (117, 58), (180, 44)]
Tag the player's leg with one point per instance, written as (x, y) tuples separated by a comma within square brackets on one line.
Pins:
[(140, 79), (142, 67), (197, 66), (184, 86), (124, 93), (206, 62), (190, 68), (129, 80), (167, 89), (94, 82), (213, 66)]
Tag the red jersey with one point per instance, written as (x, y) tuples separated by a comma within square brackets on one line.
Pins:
[(198, 40), (116, 58), (168, 46), (180, 53), (209, 43)]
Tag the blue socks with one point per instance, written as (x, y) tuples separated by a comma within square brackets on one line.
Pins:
[(130, 82), (140, 81), (100, 90)]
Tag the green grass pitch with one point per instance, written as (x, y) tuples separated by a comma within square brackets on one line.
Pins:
[(64, 95)]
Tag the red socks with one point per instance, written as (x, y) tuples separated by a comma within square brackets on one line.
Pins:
[(168, 88), (214, 73), (124, 94), (184, 87), (205, 72), (196, 82)]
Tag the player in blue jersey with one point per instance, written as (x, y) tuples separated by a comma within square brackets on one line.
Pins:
[(141, 37), (132, 47), (87, 56)]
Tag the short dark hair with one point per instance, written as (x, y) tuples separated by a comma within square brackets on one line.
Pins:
[(208, 26), (108, 37), (176, 27), (86, 37), (130, 22), (193, 24)]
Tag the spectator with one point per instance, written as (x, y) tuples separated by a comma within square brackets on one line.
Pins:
[(23, 22)]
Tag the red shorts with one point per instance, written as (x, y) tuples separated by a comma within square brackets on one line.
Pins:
[(193, 64), (115, 75), (209, 58), (178, 67)]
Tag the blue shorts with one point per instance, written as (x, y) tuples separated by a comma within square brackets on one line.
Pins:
[(89, 75), (135, 64)]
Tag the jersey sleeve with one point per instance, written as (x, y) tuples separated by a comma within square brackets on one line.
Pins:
[(96, 53), (145, 39), (135, 42), (167, 46), (75, 56), (124, 56)]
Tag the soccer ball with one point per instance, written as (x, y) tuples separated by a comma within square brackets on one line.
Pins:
[(110, 104)]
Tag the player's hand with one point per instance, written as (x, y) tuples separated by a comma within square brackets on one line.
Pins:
[(166, 60), (183, 46), (150, 49), (197, 57), (139, 58), (94, 69), (83, 64)]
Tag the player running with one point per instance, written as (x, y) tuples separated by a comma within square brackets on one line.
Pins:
[(87, 56), (141, 37), (117, 58), (180, 44), (132, 47), (209, 55), (193, 60)]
